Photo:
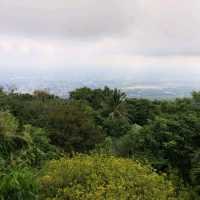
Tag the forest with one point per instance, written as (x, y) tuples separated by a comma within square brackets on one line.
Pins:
[(98, 144)]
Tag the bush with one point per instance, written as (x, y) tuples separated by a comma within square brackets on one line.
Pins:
[(18, 184), (23, 145), (10, 140), (126, 145), (102, 177), (38, 149)]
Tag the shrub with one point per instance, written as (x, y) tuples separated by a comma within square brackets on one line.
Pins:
[(18, 184), (10, 140), (98, 177)]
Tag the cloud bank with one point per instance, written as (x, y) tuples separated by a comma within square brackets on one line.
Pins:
[(134, 35)]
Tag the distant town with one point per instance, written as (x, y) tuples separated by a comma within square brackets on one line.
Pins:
[(136, 89)]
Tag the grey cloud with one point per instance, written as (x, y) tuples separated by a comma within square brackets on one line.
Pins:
[(68, 18), (147, 27)]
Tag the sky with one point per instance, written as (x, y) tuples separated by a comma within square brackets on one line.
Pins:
[(133, 36)]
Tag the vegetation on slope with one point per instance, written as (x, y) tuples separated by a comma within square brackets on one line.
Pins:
[(41, 132), (102, 177)]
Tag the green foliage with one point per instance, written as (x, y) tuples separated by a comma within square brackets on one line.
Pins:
[(109, 102), (126, 145), (8, 124), (28, 145), (114, 104), (140, 111), (195, 171), (10, 139), (18, 184), (171, 140), (73, 127), (106, 147), (93, 97), (116, 127), (36, 128), (38, 149), (101, 177)]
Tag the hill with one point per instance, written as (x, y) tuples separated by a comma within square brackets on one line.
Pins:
[(98, 144)]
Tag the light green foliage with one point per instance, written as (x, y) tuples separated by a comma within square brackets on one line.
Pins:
[(8, 124), (27, 145), (10, 139), (18, 184), (106, 147), (38, 148), (102, 178), (127, 144)]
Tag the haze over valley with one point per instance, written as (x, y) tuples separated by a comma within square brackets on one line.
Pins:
[(152, 86)]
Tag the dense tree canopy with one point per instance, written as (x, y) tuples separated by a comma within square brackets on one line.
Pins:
[(40, 127)]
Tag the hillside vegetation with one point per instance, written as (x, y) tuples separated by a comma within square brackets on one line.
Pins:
[(100, 145)]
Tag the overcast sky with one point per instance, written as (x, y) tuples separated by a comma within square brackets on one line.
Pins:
[(138, 36)]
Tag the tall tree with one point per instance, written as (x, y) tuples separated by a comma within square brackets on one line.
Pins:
[(115, 103)]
